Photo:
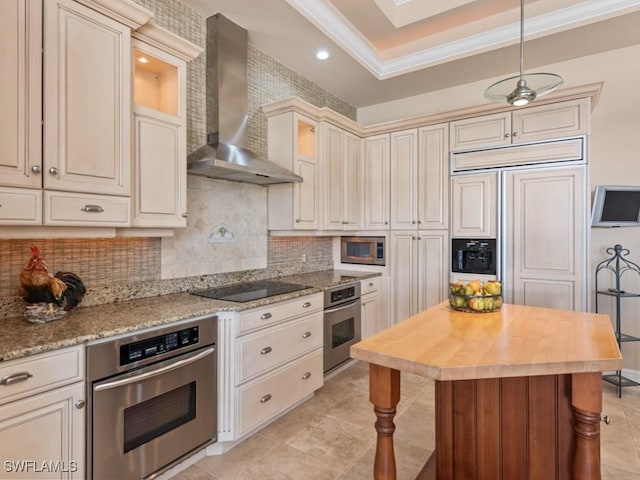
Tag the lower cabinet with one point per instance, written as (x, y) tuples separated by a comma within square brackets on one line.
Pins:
[(374, 313), (419, 271), (269, 358), (42, 428)]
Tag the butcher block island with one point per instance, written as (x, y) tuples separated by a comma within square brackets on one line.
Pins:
[(518, 392)]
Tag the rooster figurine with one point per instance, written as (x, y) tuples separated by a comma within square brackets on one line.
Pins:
[(37, 285)]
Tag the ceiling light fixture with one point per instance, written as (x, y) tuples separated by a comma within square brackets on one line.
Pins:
[(322, 54), (529, 86)]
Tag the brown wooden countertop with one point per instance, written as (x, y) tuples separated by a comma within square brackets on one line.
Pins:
[(444, 344)]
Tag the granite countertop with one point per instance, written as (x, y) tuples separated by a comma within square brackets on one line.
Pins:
[(22, 338)]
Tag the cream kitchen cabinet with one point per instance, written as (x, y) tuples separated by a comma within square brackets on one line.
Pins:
[(293, 144), (419, 271), (160, 122), (70, 73), (420, 178), (544, 122), (545, 242), (342, 167), (374, 316), (270, 358), (42, 416), (377, 165), (474, 205)]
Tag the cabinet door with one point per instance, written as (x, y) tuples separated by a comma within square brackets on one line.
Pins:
[(21, 93), (555, 120), (159, 172), (474, 206), (433, 268), (404, 268), (404, 183), (370, 315), (87, 100), (45, 433), (433, 177), (376, 182), (306, 204), (332, 164), (545, 246), (352, 190), (478, 132)]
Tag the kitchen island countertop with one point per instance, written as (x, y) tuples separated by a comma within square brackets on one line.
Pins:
[(22, 338)]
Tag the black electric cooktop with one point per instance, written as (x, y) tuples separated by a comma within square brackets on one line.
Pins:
[(246, 292)]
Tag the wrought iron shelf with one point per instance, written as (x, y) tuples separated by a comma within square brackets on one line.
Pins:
[(617, 265)]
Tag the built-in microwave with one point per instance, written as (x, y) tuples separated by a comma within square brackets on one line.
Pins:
[(363, 250)]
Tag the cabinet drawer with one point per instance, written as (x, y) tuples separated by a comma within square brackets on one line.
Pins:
[(77, 209), (369, 285), (47, 371), (264, 350), (278, 312), (20, 206), (266, 397)]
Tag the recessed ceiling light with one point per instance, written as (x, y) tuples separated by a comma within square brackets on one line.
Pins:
[(322, 54), (143, 59)]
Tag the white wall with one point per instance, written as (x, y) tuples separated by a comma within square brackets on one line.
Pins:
[(614, 156)]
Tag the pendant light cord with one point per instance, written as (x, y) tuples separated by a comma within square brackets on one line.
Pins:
[(521, 39)]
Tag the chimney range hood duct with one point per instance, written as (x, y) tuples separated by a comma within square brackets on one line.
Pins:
[(226, 155)]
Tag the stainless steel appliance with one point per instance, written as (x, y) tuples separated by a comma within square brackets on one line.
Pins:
[(362, 250), (246, 292), (341, 323), (473, 256), (152, 399)]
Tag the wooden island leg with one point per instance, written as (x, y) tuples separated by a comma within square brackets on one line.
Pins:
[(384, 393), (586, 399)]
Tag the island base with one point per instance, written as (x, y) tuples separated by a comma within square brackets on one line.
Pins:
[(539, 427)]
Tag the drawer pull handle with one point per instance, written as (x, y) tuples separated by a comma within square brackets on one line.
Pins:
[(306, 334), (265, 316), (371, 284), (265, 350), (306, 376), (306, 304), (92, 209), (266, 398), (15, 378)]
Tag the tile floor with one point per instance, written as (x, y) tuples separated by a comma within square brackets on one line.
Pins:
[(331, 436)]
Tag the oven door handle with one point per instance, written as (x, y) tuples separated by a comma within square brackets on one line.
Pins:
[(342, 307), (154, 373)]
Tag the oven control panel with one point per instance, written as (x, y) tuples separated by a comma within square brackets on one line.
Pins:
[(151, 347)]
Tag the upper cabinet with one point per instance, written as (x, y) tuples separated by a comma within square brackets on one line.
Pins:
[(554, 120), (66, 86), (342, 166), (159, 132), (376, 182), (474, 205), (419, 178), (293, 144)]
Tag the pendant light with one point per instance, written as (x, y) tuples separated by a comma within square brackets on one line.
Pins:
[(527, 87)]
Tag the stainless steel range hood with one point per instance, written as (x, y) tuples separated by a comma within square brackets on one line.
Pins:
[(226, 155)]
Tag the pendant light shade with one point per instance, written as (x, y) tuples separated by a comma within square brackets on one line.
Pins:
[(522, 89)]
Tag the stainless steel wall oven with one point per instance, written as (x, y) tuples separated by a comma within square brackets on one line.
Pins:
[(342, 327), (152, 399)]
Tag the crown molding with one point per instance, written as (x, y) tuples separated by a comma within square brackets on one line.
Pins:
[(332, 24)]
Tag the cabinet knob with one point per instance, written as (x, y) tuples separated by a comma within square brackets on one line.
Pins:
[(514, 134), (386, 223), (185, 214), (413, 222), (297, 220), (265, 350), (370, 284), (265, 398), (306, 334), (79, 404), (306, 304), (306, 376), (36, 169), (507, 135), (53, 171)]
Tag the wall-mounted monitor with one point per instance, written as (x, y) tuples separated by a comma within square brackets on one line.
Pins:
[(616, 206)]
